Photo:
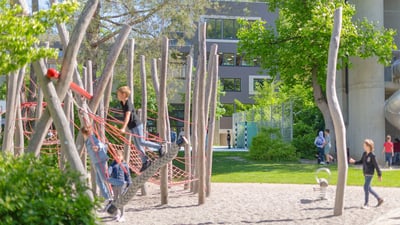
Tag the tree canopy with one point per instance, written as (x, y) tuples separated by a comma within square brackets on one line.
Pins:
[(299, 41), (19, 37)]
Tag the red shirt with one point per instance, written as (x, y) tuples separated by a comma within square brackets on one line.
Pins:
[(388, 147)]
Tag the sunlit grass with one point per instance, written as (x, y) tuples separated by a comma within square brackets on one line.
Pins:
[(237, 167)]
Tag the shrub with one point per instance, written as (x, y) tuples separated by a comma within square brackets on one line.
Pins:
[(35, 191), (268, 145), (304, 140)]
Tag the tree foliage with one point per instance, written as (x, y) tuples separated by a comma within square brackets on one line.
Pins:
[(35, 191), (20, 34), (268, 145), (306, 117), (299, 41)]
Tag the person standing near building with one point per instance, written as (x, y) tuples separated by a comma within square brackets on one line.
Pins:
[(368, 160), (388, 150), (135, 126), (228, 139), (319, 143), (327, 146)]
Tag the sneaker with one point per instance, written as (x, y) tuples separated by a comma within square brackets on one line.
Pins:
[(181, 141), (145, 165), (106, 204), (366, 206), (161, 151), (121, 219), (322, 163), (111, 209), (380, 201)]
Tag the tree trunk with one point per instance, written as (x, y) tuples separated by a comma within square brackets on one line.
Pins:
[(322, 104), (337, 114)]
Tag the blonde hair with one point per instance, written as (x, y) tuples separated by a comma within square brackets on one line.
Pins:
[(370, 144), (124, 90)]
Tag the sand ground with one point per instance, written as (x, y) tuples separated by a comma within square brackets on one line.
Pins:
[(244, 203)]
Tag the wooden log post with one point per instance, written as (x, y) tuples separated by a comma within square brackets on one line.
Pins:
[(143, 114), (187, 127), (68, 67), (202, 116), (334, 108), (19, 131), (211, 123), (130, 74), (162, 115)]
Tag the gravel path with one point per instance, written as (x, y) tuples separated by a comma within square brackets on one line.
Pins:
[(243, 203)]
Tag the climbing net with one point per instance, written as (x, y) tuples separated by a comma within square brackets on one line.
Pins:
[(116, 142)]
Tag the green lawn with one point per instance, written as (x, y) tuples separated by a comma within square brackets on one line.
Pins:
[(236, 167)]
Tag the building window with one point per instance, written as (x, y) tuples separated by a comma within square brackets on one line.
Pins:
[(220, 28), (256, 81), (231, 84), (226, 59), (229, 29), (248, 61), (214, 27)]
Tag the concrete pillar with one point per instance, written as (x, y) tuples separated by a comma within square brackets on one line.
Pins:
[(366, 91)]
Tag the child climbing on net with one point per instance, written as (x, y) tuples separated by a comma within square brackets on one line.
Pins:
[(97, 151), (120, 179)]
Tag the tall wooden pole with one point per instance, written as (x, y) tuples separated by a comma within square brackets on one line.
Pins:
[(202, 116), (211, 123), (187, 127), (336, 114), (162, 112)]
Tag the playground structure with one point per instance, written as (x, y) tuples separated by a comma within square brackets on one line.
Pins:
[(322, 176), (247, 124), (57, 137)]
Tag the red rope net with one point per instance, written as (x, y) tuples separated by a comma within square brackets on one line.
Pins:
[(116, 142)]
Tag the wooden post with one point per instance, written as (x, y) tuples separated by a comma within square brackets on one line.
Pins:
[(337, 116), (9, 127), (131, 63), (162, 112), (187, 127), (211, 123), (68, 68), (194, 137), (202, 116), (19, 132)]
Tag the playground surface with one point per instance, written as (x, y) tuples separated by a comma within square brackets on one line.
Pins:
[(245, 203)]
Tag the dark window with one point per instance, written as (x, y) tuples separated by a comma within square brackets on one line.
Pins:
[(229, 29), (214, 28), (228, 59), (222, 28), (249, 61), (231, 84)]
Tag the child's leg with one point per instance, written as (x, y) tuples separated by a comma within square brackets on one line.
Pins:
[(367, 187)]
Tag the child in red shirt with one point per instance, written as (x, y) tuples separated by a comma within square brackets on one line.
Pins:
[(388, 151)]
